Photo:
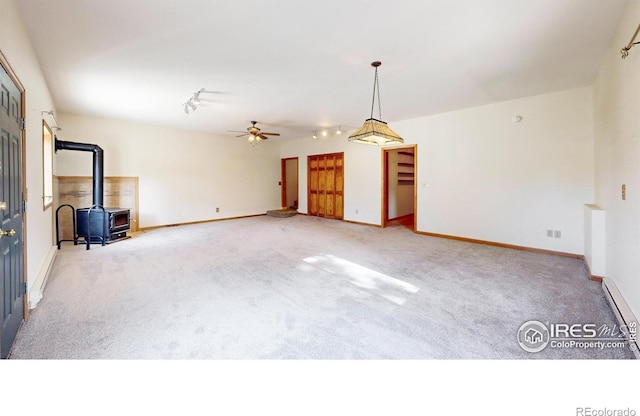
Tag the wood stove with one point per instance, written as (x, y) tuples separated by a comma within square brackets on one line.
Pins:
[(103, 225), (97, 224)]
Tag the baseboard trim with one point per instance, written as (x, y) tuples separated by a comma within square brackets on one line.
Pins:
[(623, 314), (503, 245), (36, 290), (588, 269), (154, 227), (362, 223)]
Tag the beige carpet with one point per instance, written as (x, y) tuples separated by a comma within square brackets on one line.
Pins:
[(304, 288)]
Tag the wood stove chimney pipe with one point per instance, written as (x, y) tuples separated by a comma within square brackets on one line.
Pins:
[(98, 165)]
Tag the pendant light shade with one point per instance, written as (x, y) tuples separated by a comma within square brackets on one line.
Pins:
[(375, 131)]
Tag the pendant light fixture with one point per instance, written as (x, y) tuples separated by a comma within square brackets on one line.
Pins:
[(375, 131)]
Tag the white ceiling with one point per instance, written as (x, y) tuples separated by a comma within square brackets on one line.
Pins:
[(298, 65)]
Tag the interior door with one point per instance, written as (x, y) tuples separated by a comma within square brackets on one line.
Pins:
[(326, 185), (11, 208)]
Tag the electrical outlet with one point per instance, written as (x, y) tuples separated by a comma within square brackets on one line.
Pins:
[(549, 233), (217, 209), (557, 234)]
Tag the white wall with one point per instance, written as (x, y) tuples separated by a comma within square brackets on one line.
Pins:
[(617, 145), (18, 50), (482, 176), (184, 175), (362, 174)]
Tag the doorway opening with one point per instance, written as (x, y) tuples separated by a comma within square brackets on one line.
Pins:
[(289, 181), (399, 191)]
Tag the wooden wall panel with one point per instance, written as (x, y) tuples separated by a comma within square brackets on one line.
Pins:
[(339, 190), (322, 187), (312, 186)]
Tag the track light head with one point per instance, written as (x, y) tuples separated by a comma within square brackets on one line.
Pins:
[(196, 96)]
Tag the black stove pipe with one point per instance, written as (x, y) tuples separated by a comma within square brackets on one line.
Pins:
[(98, 165)]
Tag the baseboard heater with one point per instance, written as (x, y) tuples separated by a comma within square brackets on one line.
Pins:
[(622, 311)]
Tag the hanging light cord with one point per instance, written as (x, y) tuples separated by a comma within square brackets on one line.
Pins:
[(625, 51), (376, 86)]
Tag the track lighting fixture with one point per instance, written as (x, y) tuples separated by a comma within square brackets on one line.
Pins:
[(192, 102), (328, 131)]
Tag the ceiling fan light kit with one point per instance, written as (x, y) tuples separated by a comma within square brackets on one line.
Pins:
[(375, 131), (255, 135)]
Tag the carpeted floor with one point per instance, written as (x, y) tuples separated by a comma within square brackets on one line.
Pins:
[(304, 288)]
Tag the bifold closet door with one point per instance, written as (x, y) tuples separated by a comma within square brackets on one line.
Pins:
[(326, 185)]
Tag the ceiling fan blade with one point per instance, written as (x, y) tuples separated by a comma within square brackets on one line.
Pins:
[(262, 136), (242, 135), (271, 134)]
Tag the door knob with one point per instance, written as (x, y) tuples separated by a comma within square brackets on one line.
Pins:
[(9, 233)]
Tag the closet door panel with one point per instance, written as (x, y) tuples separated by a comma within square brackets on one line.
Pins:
[(325, 185)]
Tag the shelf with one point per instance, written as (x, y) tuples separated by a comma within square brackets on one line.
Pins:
[(405, 168)]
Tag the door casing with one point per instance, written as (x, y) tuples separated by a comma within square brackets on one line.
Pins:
[(384, 214), (23, 193)]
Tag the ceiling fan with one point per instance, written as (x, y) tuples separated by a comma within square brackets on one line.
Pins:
[(255, 134)]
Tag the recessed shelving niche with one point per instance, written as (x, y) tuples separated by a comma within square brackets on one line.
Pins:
[(406, 168)]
